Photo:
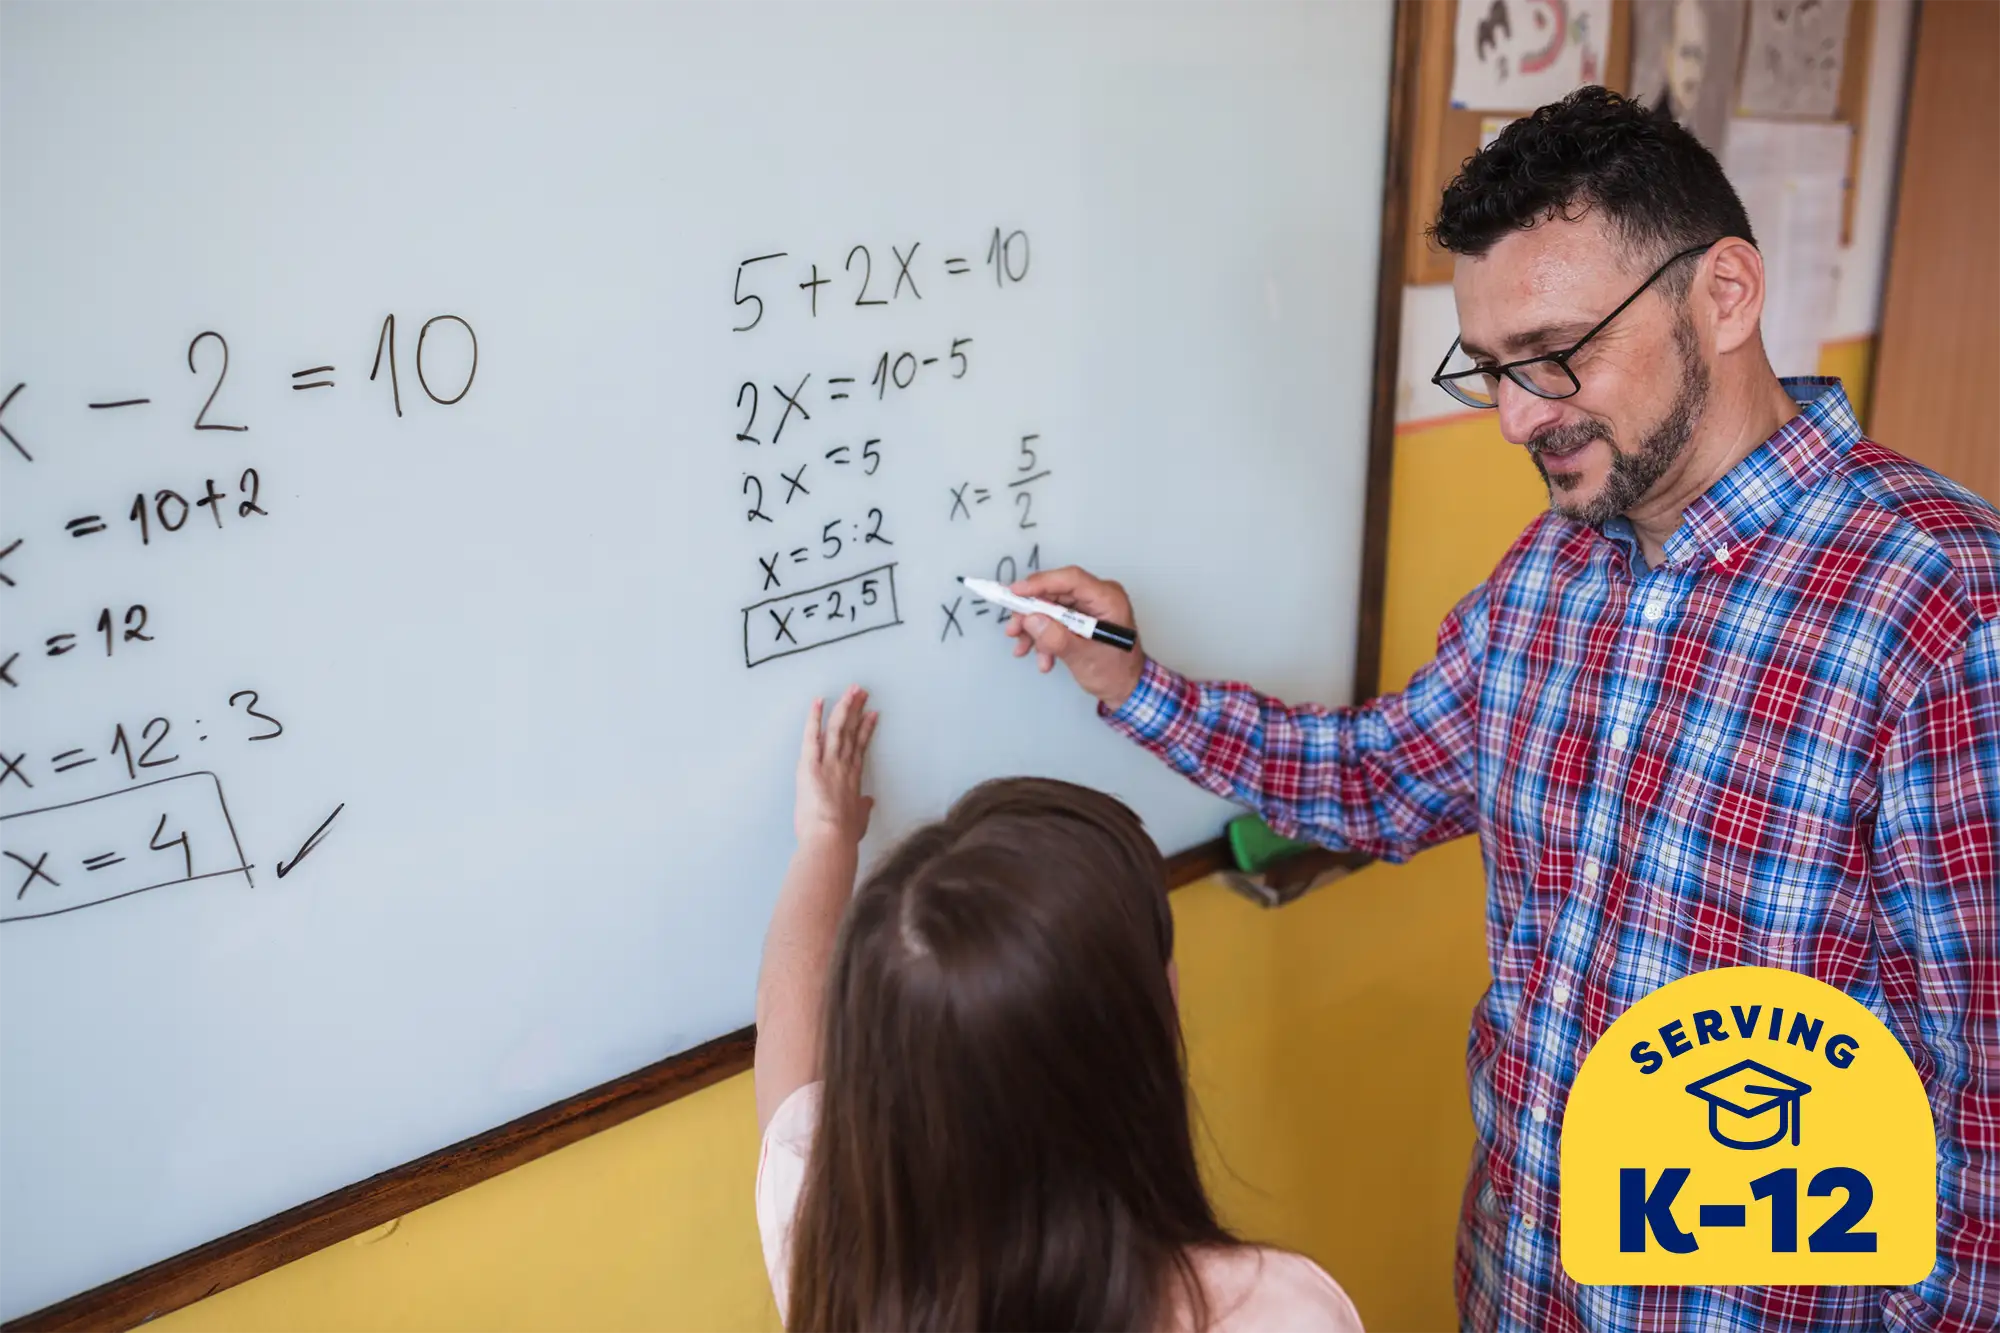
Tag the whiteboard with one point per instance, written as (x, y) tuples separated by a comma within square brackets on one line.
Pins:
[(1096, 281)]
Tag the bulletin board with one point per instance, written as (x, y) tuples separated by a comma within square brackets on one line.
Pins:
[(1444, 137)]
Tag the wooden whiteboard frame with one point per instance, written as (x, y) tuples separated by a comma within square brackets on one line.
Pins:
[(198, 1273)]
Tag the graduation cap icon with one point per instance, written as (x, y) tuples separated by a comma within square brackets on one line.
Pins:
[(1741, 1096)]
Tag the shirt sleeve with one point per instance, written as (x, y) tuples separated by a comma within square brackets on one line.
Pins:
[(1386, 778), (1937, 865), (781, 1177)]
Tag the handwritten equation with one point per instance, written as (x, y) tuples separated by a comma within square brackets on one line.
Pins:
[(166, 511), (812, 441), (151, 836), (92, 849), (136, 746), (1007, 259), (211, 348), (815, 617)]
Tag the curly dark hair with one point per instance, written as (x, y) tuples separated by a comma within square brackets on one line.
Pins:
[(1659, 188)]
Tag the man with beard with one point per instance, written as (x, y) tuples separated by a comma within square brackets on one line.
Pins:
[(1734, 699)]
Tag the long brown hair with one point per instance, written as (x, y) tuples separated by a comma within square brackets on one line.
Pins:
[(1004, 1138)]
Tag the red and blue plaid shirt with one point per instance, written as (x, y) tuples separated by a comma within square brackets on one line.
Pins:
[(1780, 747)]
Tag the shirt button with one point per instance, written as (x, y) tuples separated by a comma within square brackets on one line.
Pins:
[(1620, 738), (1528, 1221), (1539, 1114), (1560, 994), (1655, 609), (1590, 869)]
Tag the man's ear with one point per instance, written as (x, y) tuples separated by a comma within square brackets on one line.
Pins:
[(1731, 281)]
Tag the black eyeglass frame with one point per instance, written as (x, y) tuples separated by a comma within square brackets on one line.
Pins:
[(1560, 359)]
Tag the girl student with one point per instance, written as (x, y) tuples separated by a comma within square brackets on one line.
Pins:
[(971, 1081)]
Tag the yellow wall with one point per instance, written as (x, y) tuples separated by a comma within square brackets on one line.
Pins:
[(1854, 362), (1326, 1038)]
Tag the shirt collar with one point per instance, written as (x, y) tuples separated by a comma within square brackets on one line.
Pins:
[(1766, 483)]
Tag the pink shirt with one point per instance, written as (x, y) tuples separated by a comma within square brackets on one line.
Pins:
[(1248, 1288)]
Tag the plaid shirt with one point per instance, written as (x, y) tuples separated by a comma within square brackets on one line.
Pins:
[(1779, 747)]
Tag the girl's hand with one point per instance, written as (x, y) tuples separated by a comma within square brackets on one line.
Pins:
[(830, 816), (830, 805)]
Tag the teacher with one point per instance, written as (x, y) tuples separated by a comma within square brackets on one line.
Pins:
[(1733, 699)]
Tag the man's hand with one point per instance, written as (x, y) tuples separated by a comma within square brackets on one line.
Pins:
[(1110, 674)]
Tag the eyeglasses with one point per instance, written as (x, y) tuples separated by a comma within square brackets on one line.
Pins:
[(1543, 376)]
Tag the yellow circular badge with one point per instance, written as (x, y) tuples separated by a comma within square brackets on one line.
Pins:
[(1748, 1126)]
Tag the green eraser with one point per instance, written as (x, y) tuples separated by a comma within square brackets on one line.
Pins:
[(1256, 845)]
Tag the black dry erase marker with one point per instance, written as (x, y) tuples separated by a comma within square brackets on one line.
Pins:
[(1076, 622)]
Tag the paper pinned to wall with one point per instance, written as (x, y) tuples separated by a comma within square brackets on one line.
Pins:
[(1685, 54), (1490, 128), (1514, 55), (1794, 58), (1790, 177)]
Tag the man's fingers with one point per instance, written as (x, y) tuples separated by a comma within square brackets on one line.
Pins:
[(1055, 584), (1051, 639), (1046, 661), (1073, 587)]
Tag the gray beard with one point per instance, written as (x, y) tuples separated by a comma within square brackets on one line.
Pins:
[(1632, 473)]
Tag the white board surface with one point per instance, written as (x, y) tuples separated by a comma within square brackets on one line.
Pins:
[(508, 637)]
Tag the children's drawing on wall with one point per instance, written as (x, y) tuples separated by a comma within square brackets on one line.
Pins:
[(1684, 57), (1793, 62), (1516, 54)]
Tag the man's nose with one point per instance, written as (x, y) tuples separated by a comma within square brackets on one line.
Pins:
[(1522, 414)]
